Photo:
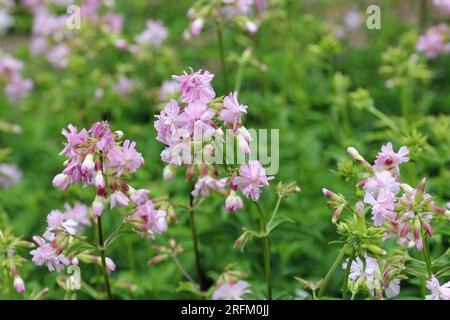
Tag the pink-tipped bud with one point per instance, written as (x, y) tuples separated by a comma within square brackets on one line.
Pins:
[(420, 191), (419, 244), (233, 202), (197, 26), (331, 195), (99, 180), (251, 27), (19, 284), (433, 207), (98, 206), (359, 208), (405, 230), (428, 228), (417, 229), (355, 155), (337, 213), (156, 259)]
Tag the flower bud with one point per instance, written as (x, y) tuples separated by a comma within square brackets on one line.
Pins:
[(19, 284), (158, 258), (359, 208), (118, 135), (88, 164), (61, 181), (374, 249), (331, 195), (436, 209), (74, 281), (99, 180), (197, 26), (420, 191), (417, 229), (251, 26), (405, 230), (427, 228), (337, 213), (98, 205), (233, 202), (358, 158)]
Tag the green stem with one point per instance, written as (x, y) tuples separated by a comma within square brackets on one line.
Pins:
[(423, 14), (330, 273), (101, 249), (347, 272), (220, 40), (198, 265), (426, 253), (266, 250), (275, 210), (380, 115)]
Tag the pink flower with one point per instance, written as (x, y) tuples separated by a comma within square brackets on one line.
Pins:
[(206, 184), (61, 181), (196, 114), (124, 86), (233, 202), (48, 255), (154, 35), (98, 206), (110, 265), (56, 221), (113, 22), (232, 291), (232, 110), (19, 285), (168, 89), (382, 206), (243, 138), (434, 41), (138, 196), (438, 292), (383, 180), (353, 20), (443, 5), (9, 65), (125, 158), (233, 8), (147, 221), (196, 87), (10, 175), (166, 122), (388, 159), (18, 88), (118, 198), (77, 213), (74, 139), (252, 177), (58, 56)]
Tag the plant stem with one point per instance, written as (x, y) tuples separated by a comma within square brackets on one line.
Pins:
[(336, 262), (347, 272), (266, 250), (275, 210), (426, 253), (102, 256), (219, 28), (183, 270), (198, 266)]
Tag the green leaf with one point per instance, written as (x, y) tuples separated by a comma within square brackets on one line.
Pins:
[(276, 221)]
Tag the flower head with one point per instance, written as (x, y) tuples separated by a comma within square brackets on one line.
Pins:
[(231, 291), (438, 292), (252, 177), (196, 86)]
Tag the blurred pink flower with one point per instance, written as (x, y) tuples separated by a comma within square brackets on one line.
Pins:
[(205, 184), (232, 291), (438, 292), (435, 41), (10, 175), (154, 34)]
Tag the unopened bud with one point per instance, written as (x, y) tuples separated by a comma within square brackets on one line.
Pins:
[(169, 172), (355, 155), (420, 191), (337, 213), (118, 135)]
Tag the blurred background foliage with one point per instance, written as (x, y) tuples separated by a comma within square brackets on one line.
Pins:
[(322, 90)]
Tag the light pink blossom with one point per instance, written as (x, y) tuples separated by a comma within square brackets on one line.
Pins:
[(232, 110), (49, 255), (196, 86), (438, 292), (231, 291), (205, 184), (252, 177)]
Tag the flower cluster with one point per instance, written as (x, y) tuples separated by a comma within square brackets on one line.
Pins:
[(10, 259), (99, 157), (16, 87), (51, 37), (403, 210), (190, 129), (435, 41), (55, 249), (241, 12), (380, 279)]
